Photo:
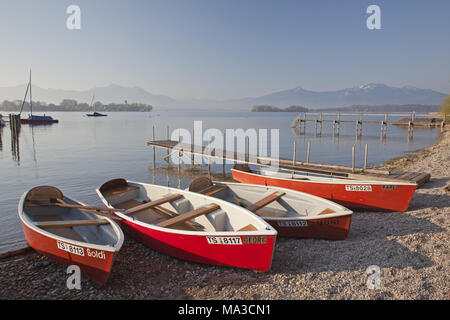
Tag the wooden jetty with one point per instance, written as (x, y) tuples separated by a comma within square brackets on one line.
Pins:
[(411, 121), (292, 165)]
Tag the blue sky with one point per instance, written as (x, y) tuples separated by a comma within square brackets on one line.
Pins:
[(225, 49)]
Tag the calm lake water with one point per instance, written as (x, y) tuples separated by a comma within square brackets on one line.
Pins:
[(79, 153)]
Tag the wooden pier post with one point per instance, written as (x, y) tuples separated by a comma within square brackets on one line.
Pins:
[(223, 155), (168, 138), (247, 146), (365, 156), (308, 152), (320, 130), (294, 156), (353, 159), (180, 153), (304, 122), (154, 150), (339, 123), (360, 123)]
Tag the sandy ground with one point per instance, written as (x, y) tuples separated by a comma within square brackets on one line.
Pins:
[(411, 249)]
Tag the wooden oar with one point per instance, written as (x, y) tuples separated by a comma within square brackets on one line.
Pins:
[(60, 203)]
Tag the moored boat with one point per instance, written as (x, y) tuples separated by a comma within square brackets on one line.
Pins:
[(65, 231), (33, 119), (96, 114), (191, 226), (354, 194), (291, 213)]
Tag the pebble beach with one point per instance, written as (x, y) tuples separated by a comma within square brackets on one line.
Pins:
[(411, 250)]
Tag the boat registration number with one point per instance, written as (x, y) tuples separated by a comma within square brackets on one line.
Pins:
[(70, 248), (299, 223), (358, 188), (224, 240)]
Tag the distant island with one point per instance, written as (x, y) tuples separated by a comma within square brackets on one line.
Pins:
[(265, 108), (73, 105), (385, 108)]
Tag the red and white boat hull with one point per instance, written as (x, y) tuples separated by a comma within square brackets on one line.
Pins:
[(240, 251), (374, 195), (230, 247), (94, 262)]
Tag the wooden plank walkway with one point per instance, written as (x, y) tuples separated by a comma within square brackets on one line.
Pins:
[(315, 168)]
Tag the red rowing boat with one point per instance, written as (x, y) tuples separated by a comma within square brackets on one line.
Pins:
[(355, 194), (191, 226), (67, 234), (291, 213)]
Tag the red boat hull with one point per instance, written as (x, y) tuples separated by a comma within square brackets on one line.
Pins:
[(381, 197), (254, 252), (97, 268), (334, 228)]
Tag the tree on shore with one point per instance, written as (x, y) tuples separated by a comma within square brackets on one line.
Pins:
[(445, 106)]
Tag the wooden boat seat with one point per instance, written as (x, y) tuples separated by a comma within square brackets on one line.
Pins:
[(158, 214), (205, 186), (213, 190), (242, 167), (265, 201), (260, 212), (152, 204), (119, 190), (68, 233), (326, 211), (248, 227), (189, 215)]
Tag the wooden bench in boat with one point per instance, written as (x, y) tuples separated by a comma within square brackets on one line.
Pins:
[(259, 211), (265, 201), (119, 190), (70, 223), (189, 215), (248, 227), (213, 190), (152, 204), (205, 186), (156, 214)]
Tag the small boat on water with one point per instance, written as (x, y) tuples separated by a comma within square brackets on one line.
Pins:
[(69, 232), (33, 119), (96, 114), (354, 194), (291, 213), (191, 226)]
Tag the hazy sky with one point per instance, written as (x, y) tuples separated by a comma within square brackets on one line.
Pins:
[(225, 49)]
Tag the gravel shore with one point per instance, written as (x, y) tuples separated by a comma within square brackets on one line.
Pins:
[(411, 250)]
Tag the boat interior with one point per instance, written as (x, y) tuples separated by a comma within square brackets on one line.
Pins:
[(268, 202), (69, 223), (176, 209)]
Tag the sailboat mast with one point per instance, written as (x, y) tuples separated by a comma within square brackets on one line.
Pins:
[(31, 101)]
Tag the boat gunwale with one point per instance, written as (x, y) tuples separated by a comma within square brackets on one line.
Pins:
[(267, 231), (344, 211), (333, 180), (29, 223)]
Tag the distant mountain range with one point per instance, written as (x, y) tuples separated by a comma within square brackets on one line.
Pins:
[(370, 94)]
